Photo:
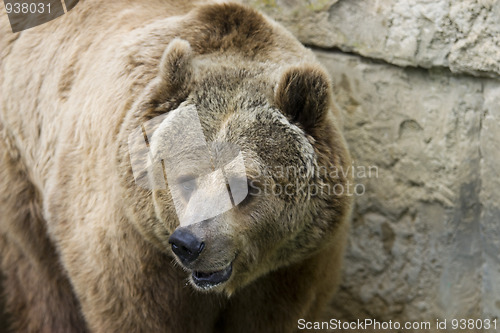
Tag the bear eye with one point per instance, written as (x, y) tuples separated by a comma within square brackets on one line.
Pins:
[(254, 191), (187, 186)]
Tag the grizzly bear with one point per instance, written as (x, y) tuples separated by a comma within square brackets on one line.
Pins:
[(166, 167)]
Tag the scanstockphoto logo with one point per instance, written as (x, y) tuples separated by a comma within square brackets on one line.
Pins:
[(355, 187), (27, 14), (205, 178), (208, 178)]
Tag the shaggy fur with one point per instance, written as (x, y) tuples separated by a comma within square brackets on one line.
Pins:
[(83, 248)]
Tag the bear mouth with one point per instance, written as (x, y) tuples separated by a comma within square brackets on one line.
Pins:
[(207, 281)]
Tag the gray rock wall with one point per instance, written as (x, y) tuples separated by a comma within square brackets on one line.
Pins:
[(417, 82), (463, 36)]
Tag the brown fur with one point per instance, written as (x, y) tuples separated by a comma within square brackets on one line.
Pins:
[(86, 249)]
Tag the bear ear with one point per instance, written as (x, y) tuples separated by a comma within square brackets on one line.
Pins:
[(303, 94), (175, 72)]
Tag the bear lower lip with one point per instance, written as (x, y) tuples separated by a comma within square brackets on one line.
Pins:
[(212, 279)]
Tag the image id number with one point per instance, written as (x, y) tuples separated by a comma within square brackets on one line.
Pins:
[(27, 8)]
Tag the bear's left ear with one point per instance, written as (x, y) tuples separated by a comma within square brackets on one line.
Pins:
[(303, 94), (175, 72)]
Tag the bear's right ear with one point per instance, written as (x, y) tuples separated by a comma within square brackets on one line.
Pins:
[(175, 72), (303, 94)]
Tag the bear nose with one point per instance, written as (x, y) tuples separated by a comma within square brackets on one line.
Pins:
[(186, 245)]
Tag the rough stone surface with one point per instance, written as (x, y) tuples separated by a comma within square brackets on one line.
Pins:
[(425, 234), (463, 36)]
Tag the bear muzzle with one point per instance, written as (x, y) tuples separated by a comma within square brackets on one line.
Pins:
[(203, 261)]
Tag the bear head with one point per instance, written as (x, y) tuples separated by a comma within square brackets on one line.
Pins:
[(239, 161)]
